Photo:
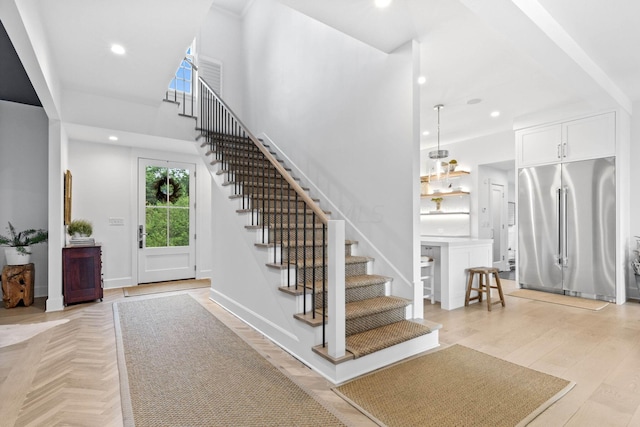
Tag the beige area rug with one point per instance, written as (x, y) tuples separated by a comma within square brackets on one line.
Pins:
[(456, 386), (13, 334), (588, 304), (180, 366), (156, 288)]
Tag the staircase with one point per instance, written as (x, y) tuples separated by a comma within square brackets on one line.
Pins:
[(344, 310)]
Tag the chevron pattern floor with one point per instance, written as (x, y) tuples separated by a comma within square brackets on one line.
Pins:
[(68, 375)]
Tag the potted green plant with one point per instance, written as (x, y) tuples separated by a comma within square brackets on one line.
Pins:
[(453, 163), (19, 243), (438, 202), (80, 228)]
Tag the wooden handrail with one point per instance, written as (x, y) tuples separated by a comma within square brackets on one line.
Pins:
[(294, 185)]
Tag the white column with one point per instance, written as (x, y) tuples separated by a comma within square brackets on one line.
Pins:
[(57, 167)]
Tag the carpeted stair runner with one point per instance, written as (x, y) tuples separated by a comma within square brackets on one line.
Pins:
[(374, 320), (382, 337)]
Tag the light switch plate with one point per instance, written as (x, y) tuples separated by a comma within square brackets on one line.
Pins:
[(116, 221)]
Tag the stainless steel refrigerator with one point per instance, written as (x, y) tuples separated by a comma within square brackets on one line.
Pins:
[(566, 228)]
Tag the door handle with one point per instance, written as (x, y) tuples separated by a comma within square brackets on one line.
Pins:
[(565, 244), (559, 151), (141, 236), (558, 257)]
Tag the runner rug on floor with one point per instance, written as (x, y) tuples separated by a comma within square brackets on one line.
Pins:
[(156, 288), (181, 366), (589, 304), (456, 386)]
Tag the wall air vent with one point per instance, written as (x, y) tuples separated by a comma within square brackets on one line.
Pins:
[(211, 71)]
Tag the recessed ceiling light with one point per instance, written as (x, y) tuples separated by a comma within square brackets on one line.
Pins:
[(474, 101), (113, 138), (495, 113), (382, 3), (426, 133), (422, 80), (117, 49)]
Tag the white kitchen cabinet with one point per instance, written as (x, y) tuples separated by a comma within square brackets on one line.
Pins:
[(453, 256), (586, 138)]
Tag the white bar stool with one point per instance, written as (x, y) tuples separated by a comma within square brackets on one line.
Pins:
[(426, 276)]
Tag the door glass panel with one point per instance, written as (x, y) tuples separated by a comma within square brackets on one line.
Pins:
[(167, 206), (156, 219)]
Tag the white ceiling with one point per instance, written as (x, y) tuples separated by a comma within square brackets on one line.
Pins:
[(518, 56), (511, 54)]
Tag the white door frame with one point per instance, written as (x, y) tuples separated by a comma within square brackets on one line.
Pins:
[(164, 263)]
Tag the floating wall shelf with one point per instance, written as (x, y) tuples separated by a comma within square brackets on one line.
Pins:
[(444, 213), (434, 177), (449, 194)]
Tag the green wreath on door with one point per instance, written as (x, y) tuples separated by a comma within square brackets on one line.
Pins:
[(167, 188)]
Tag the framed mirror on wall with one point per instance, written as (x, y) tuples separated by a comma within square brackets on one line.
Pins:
[(67, 197)]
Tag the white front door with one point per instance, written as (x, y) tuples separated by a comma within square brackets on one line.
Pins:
[(166, 221)]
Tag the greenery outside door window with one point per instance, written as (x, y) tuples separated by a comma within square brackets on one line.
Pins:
[(167, 207)]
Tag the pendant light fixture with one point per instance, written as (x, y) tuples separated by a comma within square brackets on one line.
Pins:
[(438, 155)]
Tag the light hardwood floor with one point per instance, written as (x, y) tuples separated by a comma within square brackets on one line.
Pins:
[(68, 375)]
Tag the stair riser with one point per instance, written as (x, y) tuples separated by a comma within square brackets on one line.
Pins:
[(271, 203), (271, 193), (289, 235), (357, 294), (253, 174), (307, 252), (247, 164), (372, 321), (218, 144), (290, 253), (305, 275), (286, 219)]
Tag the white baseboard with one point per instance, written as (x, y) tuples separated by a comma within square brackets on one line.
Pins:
[(121, 282)]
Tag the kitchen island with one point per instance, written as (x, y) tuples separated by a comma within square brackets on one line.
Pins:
[(453, 256)]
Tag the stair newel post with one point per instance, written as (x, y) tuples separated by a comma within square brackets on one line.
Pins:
[(281, 210), (274, 215), (251, 177), (336, 328), (289, 235), (304, 261), (313, 263), (296, 238), (324, 284), (264, 212), (216, 124)]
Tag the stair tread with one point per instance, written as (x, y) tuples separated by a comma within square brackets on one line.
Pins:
[(268, 185), (293, 226), (309, 262), (373, 340), (370, 306), (366, 280), (297, 244), (223, 171), (350, 282), (277, 211)]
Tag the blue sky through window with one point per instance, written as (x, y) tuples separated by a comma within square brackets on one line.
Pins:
[(182, 80)]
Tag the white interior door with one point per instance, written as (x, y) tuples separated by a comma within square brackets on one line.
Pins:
[(166, 221), (498, 226)]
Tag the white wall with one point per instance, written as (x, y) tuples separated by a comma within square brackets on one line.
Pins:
[(342, 111), (105, 185), (24, 178), (220, 38), (472, 153)]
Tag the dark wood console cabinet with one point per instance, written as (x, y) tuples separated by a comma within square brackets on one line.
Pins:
[(82, 273)]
